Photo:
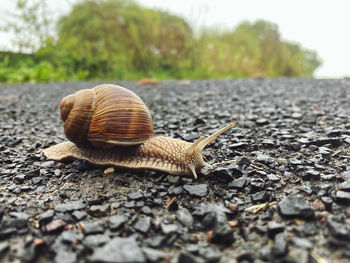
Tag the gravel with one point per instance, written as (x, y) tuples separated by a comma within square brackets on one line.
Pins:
[(279, 192)]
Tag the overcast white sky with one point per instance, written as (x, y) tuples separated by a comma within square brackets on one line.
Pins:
[(321, 25)]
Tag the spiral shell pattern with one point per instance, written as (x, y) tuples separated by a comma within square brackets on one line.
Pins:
[(104, 116)]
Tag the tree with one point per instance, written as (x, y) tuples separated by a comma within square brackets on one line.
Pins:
[(31, 25), (107, 36)]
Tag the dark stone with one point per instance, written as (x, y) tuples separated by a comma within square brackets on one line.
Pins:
[(185, 218), (262, 121), (130, 204), (334, 133), (46, 216), (338, 230), (4, 246), (222, 174), (135, 195), (153, 255), (69, 237), (19, 178), (273, 177), (205, 208), (268, 142), (238, 183), (116, 221), (146, 210), (306, 188), (47, 164), (343, 196), (280, 247), (119, 250), (302, 242), (210, 254), (169, 228), (238, 145), (55, 225), (209, 220), (273, 228), (327, 201), (95, 227), (94, 241), (259, 196), (99, 210), (79, 215), (199, 190), (8, 231), (19, 217), (65, 256), (175, 190), (186, 257), (70, 206), (223, 234), (298, 255), (345, 186), (295, 206), (345, 175), (335, 142), (37, 180), (143, 224), (155, 240), (311, 175), (1, 212)]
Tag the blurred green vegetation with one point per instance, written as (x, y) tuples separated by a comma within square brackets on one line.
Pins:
[(119, 39)]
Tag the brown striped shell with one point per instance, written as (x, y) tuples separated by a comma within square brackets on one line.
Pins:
[(104, 116)]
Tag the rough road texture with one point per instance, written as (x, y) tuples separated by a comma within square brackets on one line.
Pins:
[(282, 196)]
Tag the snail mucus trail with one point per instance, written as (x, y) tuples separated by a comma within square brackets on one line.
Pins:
[(111, 126)]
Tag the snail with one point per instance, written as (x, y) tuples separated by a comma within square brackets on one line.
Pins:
[(109, 125)]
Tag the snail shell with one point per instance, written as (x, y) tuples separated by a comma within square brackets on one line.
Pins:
[(104, 116), (110, 115)]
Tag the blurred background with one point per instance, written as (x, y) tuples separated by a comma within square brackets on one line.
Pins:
[(48, 40)]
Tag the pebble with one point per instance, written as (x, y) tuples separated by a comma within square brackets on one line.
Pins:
[(65, 256), (169, 228), (143, 224), (55, 225), (345, 186), (93, 241), (280, 245), (343, 196), (153, 255), (69, 237), (4, 245), (95, 227), (210, 254), (274, 227), (135, 195), (70, 206), (222, 234), (259, 196), (238, 183), (186, 257), (302, 242), (99, 210), (79, 215), (295, 206), (185, 218), (199, 190), (222, 174), (116, 221), (119, 250)]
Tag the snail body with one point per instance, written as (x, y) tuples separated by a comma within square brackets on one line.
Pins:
[(139, 151)]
